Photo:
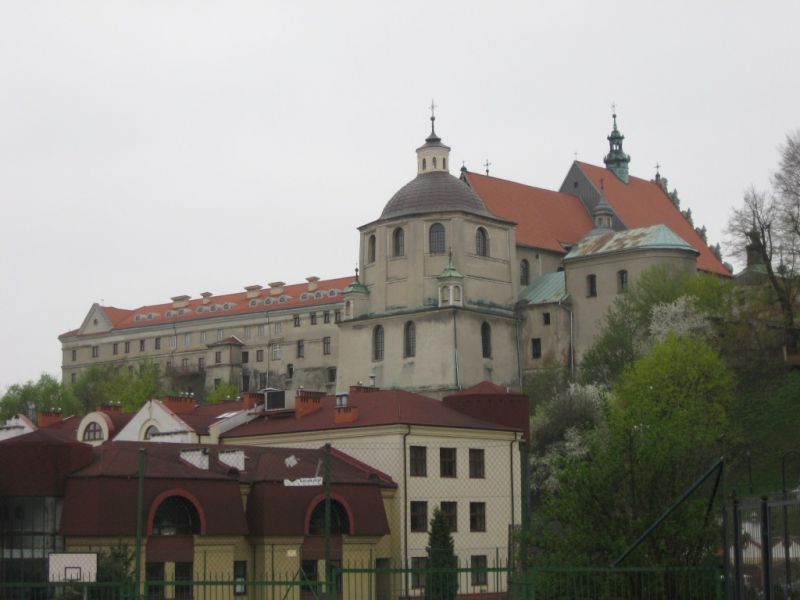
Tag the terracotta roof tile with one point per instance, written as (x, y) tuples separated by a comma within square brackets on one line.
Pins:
[(125, 318), (641, 203), (545, 219)]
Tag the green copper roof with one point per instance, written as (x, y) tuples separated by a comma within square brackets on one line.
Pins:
[(616, 160), (356, 286), (450, 270), (546, 289), (656, 237)]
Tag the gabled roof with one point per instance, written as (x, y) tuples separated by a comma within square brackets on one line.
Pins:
[(548, 288), (641, 203), (294, 296), (231, 340), (545, 219), (656, 237), (382, 407)]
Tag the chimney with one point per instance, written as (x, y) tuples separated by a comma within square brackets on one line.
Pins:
[(110, 407), (180, 301), (276, 288), (252, 399), (206, 296), (180, 405), (48, 417), (344, 412), (253, 291), (197, 457), (312, 282), (307, 402), (232, 458)]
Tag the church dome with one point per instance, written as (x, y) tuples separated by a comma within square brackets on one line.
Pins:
[(434, 192)]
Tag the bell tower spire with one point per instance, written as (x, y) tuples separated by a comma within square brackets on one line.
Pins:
[(433, 155), (616, 160)]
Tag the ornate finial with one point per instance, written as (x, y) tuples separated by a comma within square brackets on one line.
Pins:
[(614, 113), (433, 116), (463, 166), (486, 166), (450, 254), (575, 154), (356, 273)]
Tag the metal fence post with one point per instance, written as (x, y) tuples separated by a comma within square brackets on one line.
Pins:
[(737, 549), (139, 509), (766, 552), (327, 469)]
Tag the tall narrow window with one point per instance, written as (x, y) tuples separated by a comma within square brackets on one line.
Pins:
[(371, 249), (377, 343), (524, 272), (436, 241), (326, 345), (433, 160), (622, 281), (398, 242), (536, 348), (409, 340), (419, 461), (424, 164), (481, 242), (591, 285), (447, 462), (486, 340), (301, 348)]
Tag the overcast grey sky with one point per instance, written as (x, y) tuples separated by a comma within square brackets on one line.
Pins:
[(156, 148)]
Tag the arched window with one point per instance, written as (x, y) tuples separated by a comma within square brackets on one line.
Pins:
[(486, 340), (93, 432), (444, 163), (409, 340), (524, 272), (424, 164), (377, 343), (340, 522), (176, 516), (436, 240), (622, 281), (433, 160), (481, 242), (398, 242), (371, 249), (150, 432)]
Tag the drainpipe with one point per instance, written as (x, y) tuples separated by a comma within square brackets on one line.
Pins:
[(455, 348), (517, 326), (405, 507), (571, 338)]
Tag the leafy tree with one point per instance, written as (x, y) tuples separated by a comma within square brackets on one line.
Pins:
[(767, 228), (627, 331), (441, 577), (33, 396), (223, 391), (102, 384), (661, 429)]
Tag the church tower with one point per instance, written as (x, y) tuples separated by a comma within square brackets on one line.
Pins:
[(616, 160), (432, 309)]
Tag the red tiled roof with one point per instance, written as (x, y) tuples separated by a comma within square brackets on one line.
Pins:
[(642, 203), (545, 219), (383, 407), (124, 318), (38, 463)]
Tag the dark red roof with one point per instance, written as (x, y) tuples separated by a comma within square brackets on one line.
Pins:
[(100, 498), (545, 219), (382, 407), (38, 463), (642, 203), (204, 415), (490, 402)]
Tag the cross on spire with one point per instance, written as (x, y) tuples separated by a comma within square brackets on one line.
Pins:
[(486, 166), (433, 109)]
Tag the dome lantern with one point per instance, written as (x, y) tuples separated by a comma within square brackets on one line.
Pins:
[(433, 155)]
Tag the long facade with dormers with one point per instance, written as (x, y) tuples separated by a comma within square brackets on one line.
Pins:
[(461, 279)]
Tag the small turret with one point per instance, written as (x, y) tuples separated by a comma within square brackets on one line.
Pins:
[(451, 285), (433, 155), (616, 160)]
